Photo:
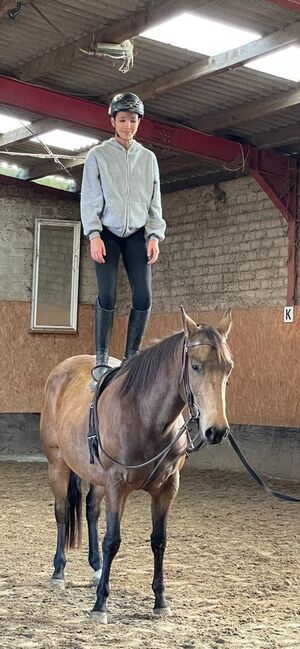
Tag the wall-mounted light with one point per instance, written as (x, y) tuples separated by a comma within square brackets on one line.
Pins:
[(13, 13)]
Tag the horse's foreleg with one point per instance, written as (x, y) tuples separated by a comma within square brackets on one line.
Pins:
[(161, 503), (59, 475), (93, 502), (115, 497)]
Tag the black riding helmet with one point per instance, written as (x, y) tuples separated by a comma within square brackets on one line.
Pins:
[(127, 102)]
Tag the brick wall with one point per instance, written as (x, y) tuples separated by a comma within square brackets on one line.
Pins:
[(19, 208), (235, 254), (213, 256), (216, 255)]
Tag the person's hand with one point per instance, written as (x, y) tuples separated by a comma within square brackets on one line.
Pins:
[(98, 251), (152, 251)]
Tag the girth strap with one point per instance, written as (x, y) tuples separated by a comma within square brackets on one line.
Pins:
[(93, 433)]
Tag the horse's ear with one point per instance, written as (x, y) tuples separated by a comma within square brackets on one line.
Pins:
[(224, 325), (189, 326)]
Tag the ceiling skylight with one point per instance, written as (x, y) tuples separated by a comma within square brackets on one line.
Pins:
[(66, 140), (210, 38), (8, 123), (58, 182), (284, 63), (200, 34)]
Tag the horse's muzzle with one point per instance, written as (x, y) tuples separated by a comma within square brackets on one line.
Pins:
[(215, 435)]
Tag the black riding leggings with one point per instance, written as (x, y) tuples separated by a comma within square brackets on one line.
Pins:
[(134, 253)]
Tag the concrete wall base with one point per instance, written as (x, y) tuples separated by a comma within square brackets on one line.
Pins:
[(273, 451), (19, 433)]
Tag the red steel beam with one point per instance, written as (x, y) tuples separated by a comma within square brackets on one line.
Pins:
[(277, 174), (85, 113), (278, 177), (293, 5)]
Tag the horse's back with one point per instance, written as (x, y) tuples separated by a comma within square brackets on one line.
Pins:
[(67, 397), (73, 372)]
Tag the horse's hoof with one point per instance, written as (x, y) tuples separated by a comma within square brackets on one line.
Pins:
[(58, 583), (96, 577), (99, 616), (163, 612)]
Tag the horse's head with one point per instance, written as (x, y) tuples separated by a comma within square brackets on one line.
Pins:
[(208, 364)]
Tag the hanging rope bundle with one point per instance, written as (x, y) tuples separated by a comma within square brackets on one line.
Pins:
[(117, 51)]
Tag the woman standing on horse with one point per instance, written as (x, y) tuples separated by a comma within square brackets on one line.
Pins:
[(121, 214)]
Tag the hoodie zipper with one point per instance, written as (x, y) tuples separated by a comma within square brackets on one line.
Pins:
[(127, 191)]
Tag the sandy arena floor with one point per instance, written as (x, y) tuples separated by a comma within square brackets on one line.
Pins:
[(232, 570)]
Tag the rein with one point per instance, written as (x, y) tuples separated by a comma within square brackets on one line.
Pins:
[(255, 475)]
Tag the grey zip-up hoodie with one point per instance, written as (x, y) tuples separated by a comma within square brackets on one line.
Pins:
[(121, 190)]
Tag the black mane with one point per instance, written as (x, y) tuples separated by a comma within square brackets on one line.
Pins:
[(140, 373)]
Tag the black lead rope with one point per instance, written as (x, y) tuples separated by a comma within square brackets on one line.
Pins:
[(256, 477)]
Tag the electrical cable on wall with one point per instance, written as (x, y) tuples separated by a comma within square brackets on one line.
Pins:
[(242, 166)]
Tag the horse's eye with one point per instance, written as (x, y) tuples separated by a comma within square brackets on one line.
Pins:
[(196, 367)]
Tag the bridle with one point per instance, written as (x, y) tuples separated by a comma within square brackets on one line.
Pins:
[(94, 437), (196, 442)]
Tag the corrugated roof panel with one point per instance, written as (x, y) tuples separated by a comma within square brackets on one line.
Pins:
[(29, 35), (258, 15), (100, 77), (268, 123), (214, 94)]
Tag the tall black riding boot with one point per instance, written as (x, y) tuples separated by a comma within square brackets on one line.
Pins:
[(137, 324), (103, 329)]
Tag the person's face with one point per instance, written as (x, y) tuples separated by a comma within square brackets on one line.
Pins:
[(126, 124)]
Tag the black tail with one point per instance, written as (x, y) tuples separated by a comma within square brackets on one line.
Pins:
[(73, 527)]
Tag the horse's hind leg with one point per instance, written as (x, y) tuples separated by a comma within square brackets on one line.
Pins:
[(161, 503), (59, 475), (93, 502), (64, 485)]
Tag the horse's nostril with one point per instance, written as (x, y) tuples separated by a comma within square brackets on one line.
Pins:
[(215, 435), (209, 434)]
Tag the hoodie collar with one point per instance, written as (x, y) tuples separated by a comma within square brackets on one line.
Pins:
[(133, 147)]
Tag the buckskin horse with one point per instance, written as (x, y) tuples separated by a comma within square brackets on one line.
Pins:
[(141, 441)]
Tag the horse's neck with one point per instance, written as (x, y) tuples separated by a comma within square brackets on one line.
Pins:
[(163, 402)]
